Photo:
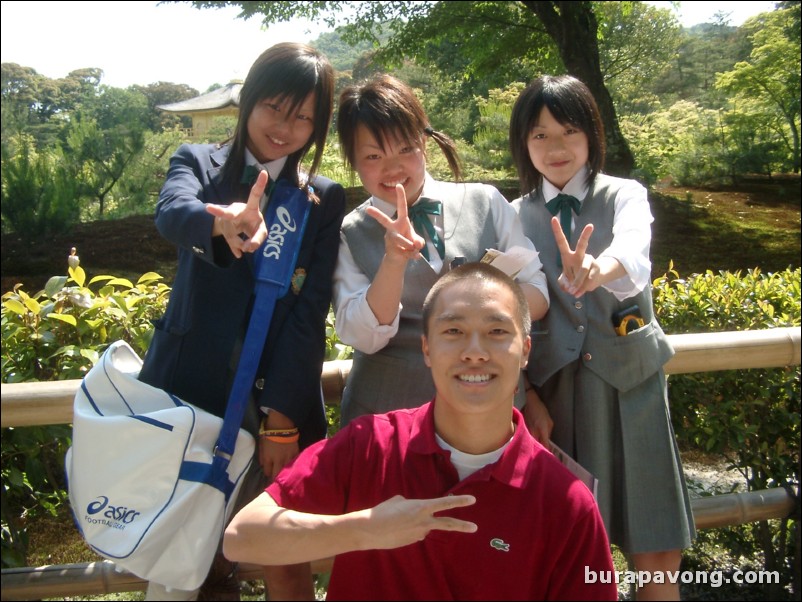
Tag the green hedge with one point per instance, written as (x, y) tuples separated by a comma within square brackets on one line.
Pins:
[(751, 417)]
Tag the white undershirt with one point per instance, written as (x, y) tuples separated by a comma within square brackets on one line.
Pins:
[(467, 464)]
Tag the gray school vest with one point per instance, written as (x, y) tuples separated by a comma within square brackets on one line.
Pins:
[(583, 327), (396, 376)]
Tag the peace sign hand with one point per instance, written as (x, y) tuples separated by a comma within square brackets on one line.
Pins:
[(401, 242), (242, 224), (580, 269), (400, 521)]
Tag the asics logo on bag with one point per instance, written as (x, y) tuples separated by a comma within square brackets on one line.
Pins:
[(275, 236), (115, 513)]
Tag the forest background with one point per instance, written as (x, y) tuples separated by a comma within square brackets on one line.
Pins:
[(708, 118), (706, 106)]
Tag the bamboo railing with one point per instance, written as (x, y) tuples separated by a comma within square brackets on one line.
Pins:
[(43, 403)]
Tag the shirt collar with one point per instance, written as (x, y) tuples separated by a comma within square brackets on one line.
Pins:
[(273, 168), (576, 186), (510, 468)]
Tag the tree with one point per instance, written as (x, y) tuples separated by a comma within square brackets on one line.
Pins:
[(482, 38), (104, 156), (637, 43), (769, 80), (21, 92), (93, 140), (491, 137), (39, 192), (40, 106), (705, 49), (162, 93)]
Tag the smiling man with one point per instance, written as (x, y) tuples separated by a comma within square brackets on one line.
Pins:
[(451, 500)]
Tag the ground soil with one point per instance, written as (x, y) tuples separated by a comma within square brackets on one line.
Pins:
[(753, 224), (697, 229)]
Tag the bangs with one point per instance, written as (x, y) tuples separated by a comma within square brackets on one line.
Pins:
[(289, 83), (389, 119)]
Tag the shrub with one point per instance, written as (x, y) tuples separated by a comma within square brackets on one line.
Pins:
[(57, 334), (751, 417)]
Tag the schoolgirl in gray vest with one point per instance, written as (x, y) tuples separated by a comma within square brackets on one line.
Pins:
[(597, 356), (397, 243)]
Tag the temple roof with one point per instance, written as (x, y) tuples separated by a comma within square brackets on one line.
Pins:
[(215, 100)]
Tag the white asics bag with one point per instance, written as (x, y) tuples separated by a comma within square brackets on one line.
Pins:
[(146, 487)]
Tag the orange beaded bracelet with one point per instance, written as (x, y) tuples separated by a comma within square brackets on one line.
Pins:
[(282, 439)]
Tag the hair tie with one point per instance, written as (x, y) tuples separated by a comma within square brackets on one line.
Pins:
[(428, 131)]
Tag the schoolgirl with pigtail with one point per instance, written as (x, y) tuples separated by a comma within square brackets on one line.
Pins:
[(396, 244)]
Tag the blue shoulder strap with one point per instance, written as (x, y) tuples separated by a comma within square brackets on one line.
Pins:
[(274, 263)]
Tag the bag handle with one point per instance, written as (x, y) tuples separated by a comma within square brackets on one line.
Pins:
[(274, 263)]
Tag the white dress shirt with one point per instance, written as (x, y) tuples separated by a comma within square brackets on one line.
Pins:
[(273, 169), (632, 232), (355, 322)]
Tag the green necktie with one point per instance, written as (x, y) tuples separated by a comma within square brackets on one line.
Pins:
[(249, 174), (564, 203), (419, 216)]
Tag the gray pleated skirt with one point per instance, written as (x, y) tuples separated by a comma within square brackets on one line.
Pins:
[(626, 440)]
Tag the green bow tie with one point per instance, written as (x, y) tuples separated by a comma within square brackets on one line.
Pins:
[(419, 216), (249, 174), (564, 203)]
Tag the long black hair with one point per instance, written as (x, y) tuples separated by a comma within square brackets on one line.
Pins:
[(286, 71)]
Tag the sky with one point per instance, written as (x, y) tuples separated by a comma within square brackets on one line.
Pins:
[(144, 42)]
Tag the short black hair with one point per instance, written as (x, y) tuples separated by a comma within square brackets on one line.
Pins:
[(483, 272), (571, 103)]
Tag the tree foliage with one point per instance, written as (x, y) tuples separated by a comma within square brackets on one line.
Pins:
[(747, 123), (39, 189), (458, 56), (104, 148), (163, 93), (768, 82), (489, 35), (637, 43)]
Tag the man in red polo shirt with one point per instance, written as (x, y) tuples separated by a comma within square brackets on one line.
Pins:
[(452, 500)]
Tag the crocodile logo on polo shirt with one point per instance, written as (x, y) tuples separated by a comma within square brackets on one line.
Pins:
[(499, 544)]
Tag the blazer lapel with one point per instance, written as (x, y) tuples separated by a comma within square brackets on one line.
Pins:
[(214, 174)]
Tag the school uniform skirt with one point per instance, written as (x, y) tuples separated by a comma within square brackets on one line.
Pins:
[(626, 440)]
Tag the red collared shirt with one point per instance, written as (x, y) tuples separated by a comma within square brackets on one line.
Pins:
[(539, 535)]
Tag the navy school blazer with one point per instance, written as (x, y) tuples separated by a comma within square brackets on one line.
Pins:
[(196, 343)]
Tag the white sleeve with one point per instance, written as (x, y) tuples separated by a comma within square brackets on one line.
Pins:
[(353, 319), (632, 235), (511, 234)]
